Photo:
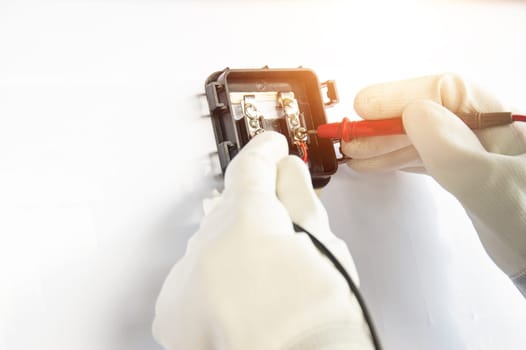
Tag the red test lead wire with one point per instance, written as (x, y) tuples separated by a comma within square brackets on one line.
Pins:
[(347, 130)]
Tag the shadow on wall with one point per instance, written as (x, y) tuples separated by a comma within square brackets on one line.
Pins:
[(165, 244)]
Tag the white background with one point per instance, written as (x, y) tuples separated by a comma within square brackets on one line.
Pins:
[(105, 159)]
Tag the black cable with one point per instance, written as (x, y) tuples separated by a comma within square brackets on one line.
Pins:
[(321, 247)]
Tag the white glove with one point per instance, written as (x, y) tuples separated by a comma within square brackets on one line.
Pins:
[(247, 280), (485, 170)]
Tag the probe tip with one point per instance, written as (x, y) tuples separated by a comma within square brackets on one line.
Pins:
[(312, 132)]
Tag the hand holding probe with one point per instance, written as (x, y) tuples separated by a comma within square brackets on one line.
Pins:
[(347, 130)]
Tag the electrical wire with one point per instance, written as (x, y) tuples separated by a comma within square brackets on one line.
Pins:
[(302, 147), (352, 286), (518, 118), (347, 130)]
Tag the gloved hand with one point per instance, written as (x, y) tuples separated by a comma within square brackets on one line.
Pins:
[(247, 280), (485, 170)]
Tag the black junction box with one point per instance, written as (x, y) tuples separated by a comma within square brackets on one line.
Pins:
[(246, 102)]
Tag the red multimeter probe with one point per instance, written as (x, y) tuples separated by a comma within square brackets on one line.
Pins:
[(347, 130)]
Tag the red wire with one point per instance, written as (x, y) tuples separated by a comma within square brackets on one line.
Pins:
[(303, 146), (518, 118), (305, 154)]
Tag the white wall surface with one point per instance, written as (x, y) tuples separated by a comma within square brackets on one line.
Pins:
[(105, 159)]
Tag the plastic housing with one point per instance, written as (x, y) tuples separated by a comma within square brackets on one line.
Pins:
[(231, 134)]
